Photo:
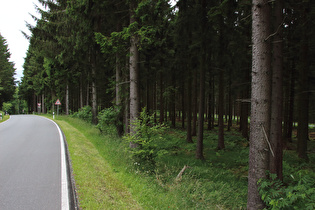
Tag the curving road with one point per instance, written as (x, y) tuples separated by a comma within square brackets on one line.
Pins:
[(32, 164)]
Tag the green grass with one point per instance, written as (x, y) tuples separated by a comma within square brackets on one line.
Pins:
[(96, 181), (107, 179), (4, 117)]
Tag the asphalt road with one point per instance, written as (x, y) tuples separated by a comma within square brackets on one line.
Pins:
[(32, 165)]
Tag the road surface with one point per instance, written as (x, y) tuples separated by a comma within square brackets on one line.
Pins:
[(32, 165)]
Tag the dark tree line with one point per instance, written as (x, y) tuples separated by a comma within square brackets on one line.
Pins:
[(7, 72), (196, 65)]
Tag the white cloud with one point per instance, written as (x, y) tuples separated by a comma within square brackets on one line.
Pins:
[(13, 17)]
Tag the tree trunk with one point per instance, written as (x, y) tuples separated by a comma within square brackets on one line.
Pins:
[(43, 103), (172, 101), (93, 86), (203, 20), (275, 166), (209, 111), (291, 103), (194, 99), (183, 105), (161, 97), (244, 114), (260, 101), (189, 110), (119, 120), (303, 94), (126, 101), (221, 89), (67, 99), (230, 106), (134, 74), (221, 111), (87, 93), (81, 92)]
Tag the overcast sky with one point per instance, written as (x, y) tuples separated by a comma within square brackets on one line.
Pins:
[(13, 15)]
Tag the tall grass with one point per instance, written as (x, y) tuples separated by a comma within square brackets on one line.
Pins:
[(106, 176), (205, 185)]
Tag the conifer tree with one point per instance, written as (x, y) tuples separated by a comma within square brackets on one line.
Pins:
[(260, 100), (7, 72)]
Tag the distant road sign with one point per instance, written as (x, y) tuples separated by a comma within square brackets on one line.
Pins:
[(58, 102), (39, 104)]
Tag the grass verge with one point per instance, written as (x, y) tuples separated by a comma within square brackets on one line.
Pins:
[(4, 117), (106, 178), (96, 183)]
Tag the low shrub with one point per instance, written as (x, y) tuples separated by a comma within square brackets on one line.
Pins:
[(85, 113), (7, 107), (299, 194), (109, 118), (147, 137)]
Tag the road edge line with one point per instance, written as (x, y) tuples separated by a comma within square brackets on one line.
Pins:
[(64, 175)]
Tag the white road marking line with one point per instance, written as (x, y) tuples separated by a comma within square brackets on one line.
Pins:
[(64, 177)]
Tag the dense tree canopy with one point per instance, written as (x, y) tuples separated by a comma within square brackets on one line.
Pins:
[(188, 64), (7, 72)]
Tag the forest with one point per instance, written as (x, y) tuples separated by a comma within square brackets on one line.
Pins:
[(193, 65), (7, 72)]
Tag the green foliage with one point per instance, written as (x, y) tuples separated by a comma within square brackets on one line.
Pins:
[(7, 71), (218, 183), (108, 118), (7, 106), (300, 194), (147, 137), (84, 113)]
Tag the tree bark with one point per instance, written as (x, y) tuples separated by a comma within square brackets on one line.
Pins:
[(81, 92), (276, 141), (119, 120), (67, 99), (183, 105), (244, 114), (134, 74), (43, 103), (194, 100), (189, 110), (203, 20), (126, 101), (161, 97), (303, 94), (87, 93), (221, 111), (230, 106), (221, 88), (260, 100), (291, 103), (93, 86), (172, 101)]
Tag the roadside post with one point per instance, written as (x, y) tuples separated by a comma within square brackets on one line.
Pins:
[(39, 106), (0, 116), (57, 104)]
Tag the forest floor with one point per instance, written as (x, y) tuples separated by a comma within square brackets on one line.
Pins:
[(107, 179)]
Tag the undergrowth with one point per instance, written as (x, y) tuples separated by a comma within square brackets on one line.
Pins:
[(219, 182)]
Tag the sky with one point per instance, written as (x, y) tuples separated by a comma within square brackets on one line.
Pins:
[(13, 17)]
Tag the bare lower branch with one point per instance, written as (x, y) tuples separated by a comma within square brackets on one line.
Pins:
[(266, 138)]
